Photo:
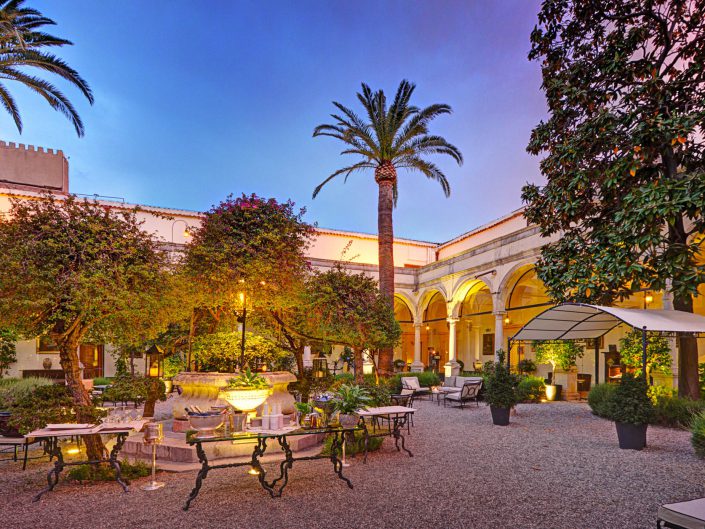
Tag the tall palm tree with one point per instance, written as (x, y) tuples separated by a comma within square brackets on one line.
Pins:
[(21, 46), (390, 139)]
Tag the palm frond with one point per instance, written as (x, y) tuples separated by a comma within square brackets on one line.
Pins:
[(8, 103), (347, 171), (51, 94), (430, 170)]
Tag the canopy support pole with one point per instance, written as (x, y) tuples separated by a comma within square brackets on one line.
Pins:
[(644, 343), (597, 361)]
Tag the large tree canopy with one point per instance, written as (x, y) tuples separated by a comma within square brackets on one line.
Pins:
[(623, 152), (79, 270)]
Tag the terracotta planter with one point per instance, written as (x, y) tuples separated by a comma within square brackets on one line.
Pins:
[(500, 416), (631, 436)]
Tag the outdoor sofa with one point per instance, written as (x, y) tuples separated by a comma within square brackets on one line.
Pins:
[(455, 384), (468, 391)]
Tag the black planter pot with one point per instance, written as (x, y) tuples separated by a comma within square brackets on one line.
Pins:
[(631, 436), (5, 429), (500, 416)]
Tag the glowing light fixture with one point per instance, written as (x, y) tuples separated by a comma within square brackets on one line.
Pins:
[(253, 471), (507, 320), (648, 299)]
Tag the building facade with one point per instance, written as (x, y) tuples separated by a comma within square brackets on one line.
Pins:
[(457, 301)]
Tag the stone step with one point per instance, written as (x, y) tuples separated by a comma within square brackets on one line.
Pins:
[(174, 448)]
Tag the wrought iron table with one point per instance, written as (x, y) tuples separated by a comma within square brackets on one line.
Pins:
[(53, 447), (397, 416), (276, 486)]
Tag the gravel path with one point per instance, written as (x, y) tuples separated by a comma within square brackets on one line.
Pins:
[(555, 466)]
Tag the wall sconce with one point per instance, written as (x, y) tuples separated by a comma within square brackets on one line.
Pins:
[(648, 298), (507, 320)]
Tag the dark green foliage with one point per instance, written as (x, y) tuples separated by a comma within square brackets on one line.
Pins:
[(102, 381), (658, 353), (701, 378), (698, 434), (622, 153), (526, 366), (426, 380), (599, 397), (345, 378), (561, 354), (379, 393), (676, 412), (8, 353), (501, 385), (356, 446), (350, 398), (630, 402), (133, 388), (49, 404), (103, 472), (13, 390), (23, 46), (531, 389)]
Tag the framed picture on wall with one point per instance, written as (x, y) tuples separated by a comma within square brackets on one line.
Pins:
[(488, 344), (46, 345)]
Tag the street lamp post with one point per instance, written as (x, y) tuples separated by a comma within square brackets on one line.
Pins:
[(243, 320)]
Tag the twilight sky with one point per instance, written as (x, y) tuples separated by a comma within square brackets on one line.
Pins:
[(195, 100)]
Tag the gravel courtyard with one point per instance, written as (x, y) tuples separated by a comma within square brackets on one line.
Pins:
[(555, 466)]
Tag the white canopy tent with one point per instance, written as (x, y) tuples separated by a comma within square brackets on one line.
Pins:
[(579, 321)]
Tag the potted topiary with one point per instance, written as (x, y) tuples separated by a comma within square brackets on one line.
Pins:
[(631, 410), (501, 391), (561, 355), (399, 365), (347, 400), (246, 392)]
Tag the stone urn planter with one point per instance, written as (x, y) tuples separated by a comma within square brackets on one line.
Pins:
[(348, 420), (246, 400), (553, 392)]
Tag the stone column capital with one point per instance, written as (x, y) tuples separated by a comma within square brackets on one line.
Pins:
[(452, 320)]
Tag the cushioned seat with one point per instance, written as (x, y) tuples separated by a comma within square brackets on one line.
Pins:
[(683, 515), (412, 383), (469, 391), (455, 384)]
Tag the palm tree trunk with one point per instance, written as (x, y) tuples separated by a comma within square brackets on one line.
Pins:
[(385, 239)]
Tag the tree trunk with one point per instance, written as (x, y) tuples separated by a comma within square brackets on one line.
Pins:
[(357, 359), (68, 355), (385, 239), (688, 380)]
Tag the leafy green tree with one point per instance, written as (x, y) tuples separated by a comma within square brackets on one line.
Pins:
[(249, 252), (338, 307), (658, 353), (78, 271), (391, 138), (8, 351), (22, 47), (219, 351), (623, 153), (561, 355)]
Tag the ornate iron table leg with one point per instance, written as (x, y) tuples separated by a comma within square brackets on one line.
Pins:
[(258, 452), (202, 474), (399, 423), (53, 475), (113, 460), (284, 466), (367, 439), (337, 444)]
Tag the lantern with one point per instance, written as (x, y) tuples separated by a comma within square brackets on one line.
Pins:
[(154, 362)]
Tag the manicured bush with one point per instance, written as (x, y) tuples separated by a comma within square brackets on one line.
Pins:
[(676, 412), (14, 389), (501, 385), (102, 381), (91, 473), (356, 446), (526, 366), (531, 389), (48, 404), (599, 397), (630, 402), (698, 437), (426, 380)]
